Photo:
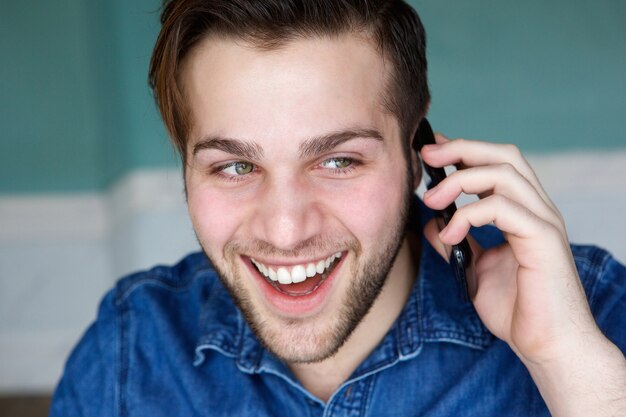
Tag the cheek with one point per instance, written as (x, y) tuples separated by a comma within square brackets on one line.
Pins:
[(371, 208), (213, 218)]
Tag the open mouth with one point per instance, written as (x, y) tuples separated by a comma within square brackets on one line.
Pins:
[(298, 280)]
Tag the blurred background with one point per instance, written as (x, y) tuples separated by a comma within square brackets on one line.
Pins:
[(90, 188)]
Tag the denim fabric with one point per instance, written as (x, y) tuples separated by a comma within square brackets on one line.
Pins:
[(170, 342)]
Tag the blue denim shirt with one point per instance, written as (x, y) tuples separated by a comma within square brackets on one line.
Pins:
[(170, 342)]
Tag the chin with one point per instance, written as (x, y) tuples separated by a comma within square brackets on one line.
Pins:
[(302, 342)]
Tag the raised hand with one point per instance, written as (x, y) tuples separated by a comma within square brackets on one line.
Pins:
[(526, 291)]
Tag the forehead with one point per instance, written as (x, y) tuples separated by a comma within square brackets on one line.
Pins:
[(306, 87)]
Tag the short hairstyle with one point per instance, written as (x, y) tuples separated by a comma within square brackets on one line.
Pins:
[(392, 25)]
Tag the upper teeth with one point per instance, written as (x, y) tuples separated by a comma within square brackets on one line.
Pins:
[(295, 273)]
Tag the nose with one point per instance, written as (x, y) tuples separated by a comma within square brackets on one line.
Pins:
[(287, 213)]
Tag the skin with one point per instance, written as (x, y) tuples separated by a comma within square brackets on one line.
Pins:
[(527, 292), (293, 209)]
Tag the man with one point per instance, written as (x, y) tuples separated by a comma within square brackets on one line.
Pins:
[(294, 122)]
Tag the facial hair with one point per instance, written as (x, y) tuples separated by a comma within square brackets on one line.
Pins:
[(308, 340)]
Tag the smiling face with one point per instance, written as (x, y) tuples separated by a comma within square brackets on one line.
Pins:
[(297, 185)]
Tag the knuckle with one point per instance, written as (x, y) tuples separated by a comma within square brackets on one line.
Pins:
[(507, 168), (512, 149), (559, 222), (461, 211), (516, 155), (462, 215), (550, 230), (498, 200), (454, 177), (553, 232), (560, 218)]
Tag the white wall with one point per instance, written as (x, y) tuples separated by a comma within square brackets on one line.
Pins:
[(60, 253)]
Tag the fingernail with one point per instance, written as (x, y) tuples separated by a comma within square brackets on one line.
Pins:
[(431, 147)]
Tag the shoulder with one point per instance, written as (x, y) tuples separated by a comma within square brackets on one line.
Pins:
[(597, 269), (162, 298), (602, 275), (179, 278), (137, 315)]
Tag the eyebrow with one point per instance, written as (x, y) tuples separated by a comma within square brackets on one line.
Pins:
[(320, 144), (309, 148), (244, 149)]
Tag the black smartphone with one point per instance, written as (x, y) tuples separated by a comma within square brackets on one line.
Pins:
[(461, 254)]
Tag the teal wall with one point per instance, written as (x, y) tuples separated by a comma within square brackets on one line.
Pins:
[(76, 112), (75, 109), (47, 99), (546, 75)]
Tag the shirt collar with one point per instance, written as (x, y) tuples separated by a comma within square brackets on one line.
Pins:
[(434, 312)]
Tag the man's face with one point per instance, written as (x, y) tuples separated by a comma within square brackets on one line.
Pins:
[(297, 184)]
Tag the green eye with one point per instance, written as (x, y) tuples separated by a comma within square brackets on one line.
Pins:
[(342, 162), (338, 163), (242, 168), (237, 169)]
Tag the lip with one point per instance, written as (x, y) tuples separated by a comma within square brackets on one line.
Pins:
[(289, 306)]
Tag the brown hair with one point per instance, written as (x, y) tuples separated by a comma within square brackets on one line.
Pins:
[(392, 24)]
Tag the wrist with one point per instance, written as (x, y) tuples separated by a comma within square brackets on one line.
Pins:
[(589, 379)]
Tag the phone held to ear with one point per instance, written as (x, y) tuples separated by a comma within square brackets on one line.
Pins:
[(460, 254)]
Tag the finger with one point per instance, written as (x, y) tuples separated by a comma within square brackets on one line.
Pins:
[(501, 179), (441, 138), (431, 231), (532, 238), (476, 153)]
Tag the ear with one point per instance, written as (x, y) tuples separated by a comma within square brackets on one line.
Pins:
[(416, 167)]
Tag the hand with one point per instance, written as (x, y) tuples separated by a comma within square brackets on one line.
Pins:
[(526, 291)]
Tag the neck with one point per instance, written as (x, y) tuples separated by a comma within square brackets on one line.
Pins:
[(323, 378)]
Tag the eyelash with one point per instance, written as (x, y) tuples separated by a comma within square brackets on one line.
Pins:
[(346, 170), (219, 170)]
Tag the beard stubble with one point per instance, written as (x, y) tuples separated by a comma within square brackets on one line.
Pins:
[(306, 341)]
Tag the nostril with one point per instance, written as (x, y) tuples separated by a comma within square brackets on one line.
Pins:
[(285, 218)]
